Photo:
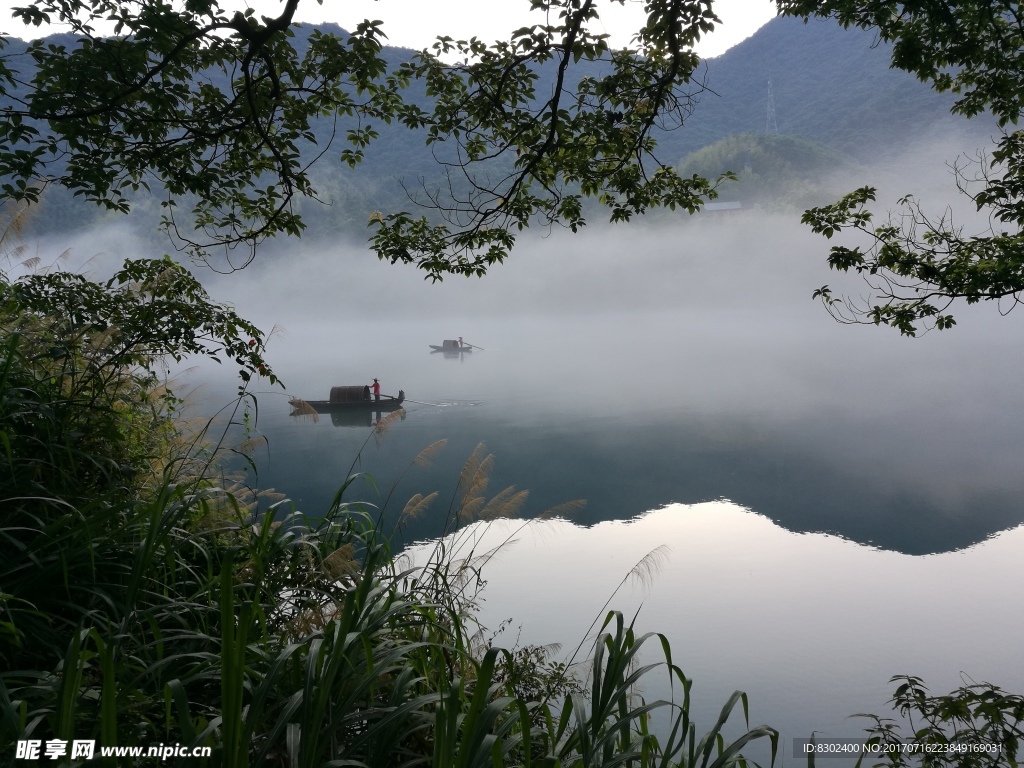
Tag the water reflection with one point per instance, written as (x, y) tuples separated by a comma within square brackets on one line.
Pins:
[(879, 490), (357, 417), (810, 626), (369, 415)]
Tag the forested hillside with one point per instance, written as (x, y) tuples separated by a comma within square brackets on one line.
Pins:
[(774, 172), (830, 85)]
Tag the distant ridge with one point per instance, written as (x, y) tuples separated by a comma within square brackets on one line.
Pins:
[(831, 86)]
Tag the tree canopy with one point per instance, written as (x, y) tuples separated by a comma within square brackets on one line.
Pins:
[(212, 110), (918, 263)]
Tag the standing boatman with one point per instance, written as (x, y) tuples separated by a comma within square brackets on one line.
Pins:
[(376, 390)]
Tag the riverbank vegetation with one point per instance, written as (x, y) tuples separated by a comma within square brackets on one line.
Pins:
[(146, 602)]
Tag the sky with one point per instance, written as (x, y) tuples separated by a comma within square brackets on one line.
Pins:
[(415, 23)]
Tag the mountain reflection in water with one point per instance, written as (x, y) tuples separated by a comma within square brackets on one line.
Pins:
[(812, 627), (876, 489)]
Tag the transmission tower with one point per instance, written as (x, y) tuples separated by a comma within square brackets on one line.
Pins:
[(770, 125)]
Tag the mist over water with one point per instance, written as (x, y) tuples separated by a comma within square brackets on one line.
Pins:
[(675, 359), (704, 327)]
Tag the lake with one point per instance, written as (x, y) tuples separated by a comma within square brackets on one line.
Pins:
[(839, 504)]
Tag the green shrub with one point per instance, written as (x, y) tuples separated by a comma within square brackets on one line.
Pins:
[(976, 726)]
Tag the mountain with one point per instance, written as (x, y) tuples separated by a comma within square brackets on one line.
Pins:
[(830, 86), (773, 172)]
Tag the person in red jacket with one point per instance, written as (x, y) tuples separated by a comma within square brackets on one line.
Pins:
[(376, 390)]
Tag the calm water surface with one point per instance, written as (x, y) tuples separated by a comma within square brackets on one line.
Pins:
[(839, 505)]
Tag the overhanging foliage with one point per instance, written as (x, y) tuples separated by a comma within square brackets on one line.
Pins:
[(213, 110), (918, 264)]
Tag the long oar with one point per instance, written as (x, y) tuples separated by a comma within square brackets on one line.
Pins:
[(474, 346)]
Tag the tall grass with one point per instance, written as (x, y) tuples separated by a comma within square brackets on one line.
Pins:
[(252, 639)]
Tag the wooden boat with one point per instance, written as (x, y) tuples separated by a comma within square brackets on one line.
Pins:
[(351, 398), (450, 346)]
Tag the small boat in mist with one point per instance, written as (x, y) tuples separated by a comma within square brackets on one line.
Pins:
[(452, 346), (348, 398)]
